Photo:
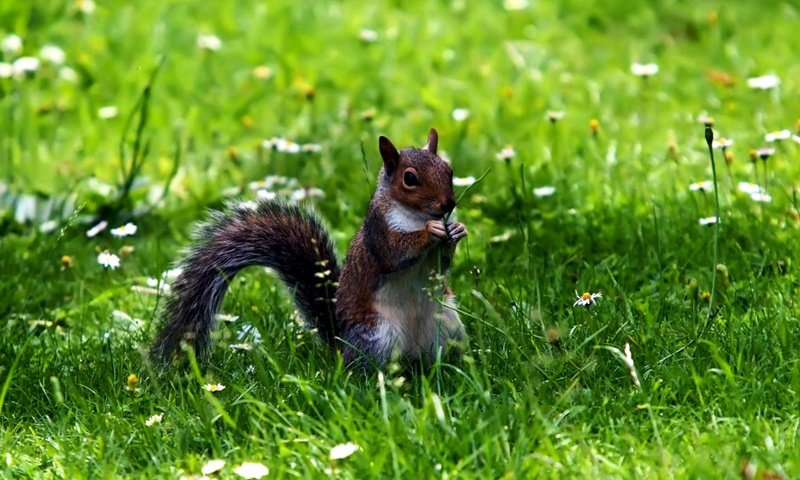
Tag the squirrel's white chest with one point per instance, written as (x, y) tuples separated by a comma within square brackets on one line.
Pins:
[(411, 316)]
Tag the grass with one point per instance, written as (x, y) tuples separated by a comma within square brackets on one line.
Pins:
[(539, 394)]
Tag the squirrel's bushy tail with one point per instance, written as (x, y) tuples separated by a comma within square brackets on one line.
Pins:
[(286, 238)]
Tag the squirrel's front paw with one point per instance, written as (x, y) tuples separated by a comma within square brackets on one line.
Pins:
[(456, 231), (436, 230)]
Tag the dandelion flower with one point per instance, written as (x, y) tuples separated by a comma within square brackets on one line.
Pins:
[(11, 44), (251, 470), (214, 387), (66, 262), (108, 260), (460, 114), (705, 221), (343, 450), (212, 466), (368, 35), (644, 69), (124, 231), (586, 299), (507, 153), (594, 126), (53, 54), (545, 191), (764, 82), (132, 382), (153, 419), (784, 134), (704, 186), (212, 43)]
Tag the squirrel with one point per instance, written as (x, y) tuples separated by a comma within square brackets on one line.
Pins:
[(382, 302)]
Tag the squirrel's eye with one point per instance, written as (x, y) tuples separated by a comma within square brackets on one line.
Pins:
[(410, 179)]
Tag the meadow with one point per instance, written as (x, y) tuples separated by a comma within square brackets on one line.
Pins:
[(576, 131)]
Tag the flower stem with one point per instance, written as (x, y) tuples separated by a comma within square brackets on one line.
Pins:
[(709, 133)]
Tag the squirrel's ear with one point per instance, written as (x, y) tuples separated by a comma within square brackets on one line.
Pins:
[(390, 155), (433, 141)]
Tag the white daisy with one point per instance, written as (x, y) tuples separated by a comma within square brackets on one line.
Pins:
[(108, 112), (212, 466), (25, 65), (544, 191), (124, 231), (343, 450), (92, 232), (507, 153), (6, 70), (68, 74), (368, 35), (721, 143), (784, 134), (266, 195), (764, 82), (460, 114), (705, 221), (749, 188), (53, 54), (287, 146), (762, 197), (209, 42), (554, 115), (214, 387), (704, 186), (154, 419), (586, 299), (86, 7), (463, 181), (515, 5), (108, 260), (644, 69), (251, 470), (765, 152), (11, 44)]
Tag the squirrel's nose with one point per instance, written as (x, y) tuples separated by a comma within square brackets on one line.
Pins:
[(448, 205)]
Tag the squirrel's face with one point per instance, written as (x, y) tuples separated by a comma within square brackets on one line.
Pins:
[(418, 178)]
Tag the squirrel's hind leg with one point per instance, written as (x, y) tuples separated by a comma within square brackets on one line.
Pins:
[(370, 344)]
